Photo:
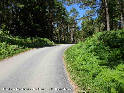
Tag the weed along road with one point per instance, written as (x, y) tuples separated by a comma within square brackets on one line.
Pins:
[(39, 70)]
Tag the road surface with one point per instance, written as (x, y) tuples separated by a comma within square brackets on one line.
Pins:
[(39, 70)]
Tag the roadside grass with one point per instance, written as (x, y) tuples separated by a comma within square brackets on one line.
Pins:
[(11, 45), (97, 64)]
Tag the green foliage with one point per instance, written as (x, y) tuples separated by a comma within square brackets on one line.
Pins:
[(33, 18), (7, 50), (10, 45), (97, 65), (88, 27)]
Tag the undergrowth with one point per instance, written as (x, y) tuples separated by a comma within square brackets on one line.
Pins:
[(10, 45), (97, 64)]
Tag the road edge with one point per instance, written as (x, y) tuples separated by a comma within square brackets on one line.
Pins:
[(75, 87), (7, 58)]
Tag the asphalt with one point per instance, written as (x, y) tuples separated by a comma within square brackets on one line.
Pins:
[(39, 70)]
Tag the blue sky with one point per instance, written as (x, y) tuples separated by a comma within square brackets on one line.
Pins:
[(80, 10), (76, 6)]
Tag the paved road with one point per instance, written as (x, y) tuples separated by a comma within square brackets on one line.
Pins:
[(36, 71)]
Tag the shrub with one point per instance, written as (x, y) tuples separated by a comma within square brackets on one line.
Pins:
[(97, 65), (10, 45)]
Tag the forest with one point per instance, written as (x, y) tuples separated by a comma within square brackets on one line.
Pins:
[(50, 19), (98, 53)]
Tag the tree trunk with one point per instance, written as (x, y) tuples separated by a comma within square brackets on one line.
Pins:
[(107, 15), (122, 21), (121, 3), (72, 32)]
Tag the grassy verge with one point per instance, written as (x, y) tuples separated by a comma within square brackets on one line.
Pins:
[(7, 50), (97, 65), (10, 45)]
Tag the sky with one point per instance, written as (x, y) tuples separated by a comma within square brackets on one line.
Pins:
[(76, 6), (80, 10)]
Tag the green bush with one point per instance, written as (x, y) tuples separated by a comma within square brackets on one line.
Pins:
[(10, 45), (7, 50), (31, 42), (97, 65)]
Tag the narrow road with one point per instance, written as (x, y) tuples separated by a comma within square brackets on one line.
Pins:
[(39, 70)]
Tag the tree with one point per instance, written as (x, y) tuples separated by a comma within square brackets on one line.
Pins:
[(30, 18), (121, 4), (107, 14)]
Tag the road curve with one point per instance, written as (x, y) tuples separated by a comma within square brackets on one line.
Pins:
[(39, 70)]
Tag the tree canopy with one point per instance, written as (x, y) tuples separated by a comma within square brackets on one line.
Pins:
[(50, 19)]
